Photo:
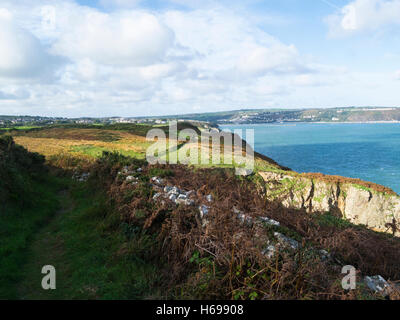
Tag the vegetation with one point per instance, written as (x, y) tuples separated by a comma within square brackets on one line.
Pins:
[(28, 200), (46, 219), (96, 255), (83, 146), (110, 238)]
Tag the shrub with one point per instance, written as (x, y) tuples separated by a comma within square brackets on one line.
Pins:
[(18, 168)]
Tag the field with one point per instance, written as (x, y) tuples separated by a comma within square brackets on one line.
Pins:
[(83, 144), (19, 128), (68, 146)]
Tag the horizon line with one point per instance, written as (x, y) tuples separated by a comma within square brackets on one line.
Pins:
[(199, 113)]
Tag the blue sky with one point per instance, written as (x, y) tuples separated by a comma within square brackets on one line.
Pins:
[(132, 57), (302, 23)]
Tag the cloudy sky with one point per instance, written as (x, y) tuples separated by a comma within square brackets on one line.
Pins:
[(153, 57)]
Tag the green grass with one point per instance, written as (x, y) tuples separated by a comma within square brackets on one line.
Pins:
[(328, 219), (46, 220), (20, 128), (362, 188), (96, 256), (136, 129), (96, 152), (17, 229)]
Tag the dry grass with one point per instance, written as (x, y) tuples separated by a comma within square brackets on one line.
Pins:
[(64, 146), (71, 134), (77, 142), (223, 259)]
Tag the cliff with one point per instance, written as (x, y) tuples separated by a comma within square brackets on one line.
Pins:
[(359, 202)]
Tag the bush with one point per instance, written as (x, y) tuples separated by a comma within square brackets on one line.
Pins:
[(18, 169)]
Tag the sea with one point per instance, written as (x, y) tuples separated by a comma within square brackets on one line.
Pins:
[(368, 151)]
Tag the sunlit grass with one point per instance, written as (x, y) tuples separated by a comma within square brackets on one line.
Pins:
[(19, 128), (82, 143), (88, 144)]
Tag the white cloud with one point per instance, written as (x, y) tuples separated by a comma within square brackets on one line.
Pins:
[(133, 38), (131, 61), (228, 45), (397, 74), (278, 59), (21, 53), (119, 3), (5, 14), (16, 94), (364, 15)]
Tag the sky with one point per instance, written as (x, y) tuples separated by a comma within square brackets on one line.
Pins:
[(75, 58)]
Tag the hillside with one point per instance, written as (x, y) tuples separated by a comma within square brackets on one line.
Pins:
[(175, 231), (353, 114), (28, 198), (244, 116)]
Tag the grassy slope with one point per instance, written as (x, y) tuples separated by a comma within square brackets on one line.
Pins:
[(87, 144), (46, 220), (27, 201), (88, 246), (17, 228)]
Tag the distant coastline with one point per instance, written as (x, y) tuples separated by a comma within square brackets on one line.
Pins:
[(308, 122), (243, 116)]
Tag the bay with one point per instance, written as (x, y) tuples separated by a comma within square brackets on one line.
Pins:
[(369, 151)]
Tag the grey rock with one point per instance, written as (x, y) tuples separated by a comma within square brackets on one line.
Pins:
[(179, 201), (269, 251), (209, 198), (157, 180), (325, 255), (204, 210), (245, 219), (378, 284), (286, 241), (175, 191), (283, 242), (157, 195), (269, 221), (172, 197), (186, 202), (358, 204), (242, 217), (243, 171), (167, 189)]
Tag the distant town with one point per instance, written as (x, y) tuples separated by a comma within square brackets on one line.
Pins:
[(25, 121), (245, 116)]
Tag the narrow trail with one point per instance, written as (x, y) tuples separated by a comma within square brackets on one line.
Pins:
[(47, 248)]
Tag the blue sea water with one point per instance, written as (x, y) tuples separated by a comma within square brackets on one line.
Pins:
[(369, 151)]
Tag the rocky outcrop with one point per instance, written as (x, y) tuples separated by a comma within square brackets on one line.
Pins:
[(378, 210)]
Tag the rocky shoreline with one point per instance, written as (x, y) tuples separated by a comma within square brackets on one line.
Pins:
[(376, 208)]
